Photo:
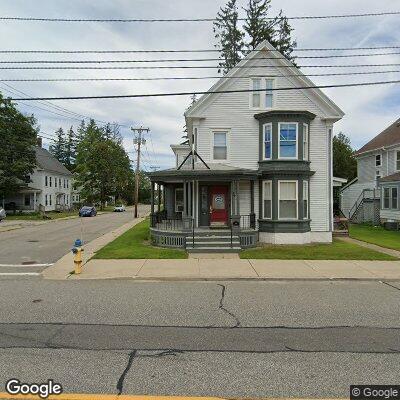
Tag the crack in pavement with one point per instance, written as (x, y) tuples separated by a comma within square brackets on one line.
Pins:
[(392, 286), (221, 307), (120, 383)]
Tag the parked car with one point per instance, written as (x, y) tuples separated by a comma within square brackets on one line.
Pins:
[(119, 208), (2, 214), (87, 211)]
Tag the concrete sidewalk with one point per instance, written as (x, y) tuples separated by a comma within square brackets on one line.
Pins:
[(231, 269)]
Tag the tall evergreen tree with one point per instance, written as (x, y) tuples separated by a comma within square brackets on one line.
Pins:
[(282, 39), (17, 149), (229, 36), (257, 25), (58, 147), (344, 163), (70, 149)]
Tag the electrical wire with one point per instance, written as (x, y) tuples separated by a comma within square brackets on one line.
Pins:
[(301, 17), (169, 94)]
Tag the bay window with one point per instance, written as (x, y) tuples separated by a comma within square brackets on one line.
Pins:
[(305, 142), (220, 151), (386, 198), (267, 141), (267, 197), (305, 200), (287, 199), (288, 140)]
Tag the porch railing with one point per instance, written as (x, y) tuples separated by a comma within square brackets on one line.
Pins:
[(162, 221), (248, 221)]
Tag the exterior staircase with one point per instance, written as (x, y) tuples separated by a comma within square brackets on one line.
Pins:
[(213, 242)]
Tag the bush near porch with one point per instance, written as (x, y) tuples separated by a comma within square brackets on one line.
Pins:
[(135, 244), (338, 250), (376, 235)]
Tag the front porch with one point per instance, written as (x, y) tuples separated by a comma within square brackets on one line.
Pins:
[(204, 210)]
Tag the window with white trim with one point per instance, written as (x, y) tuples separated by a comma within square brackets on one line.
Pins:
[(395, 199), (45, 201), (263, 95), (386, 198), (378, 160), (305, 142), (269, 97), (305, 200), (50, 181), (256, 96), (287, 199), (46, 181), (398, 161), (288, 139), (267, 141), (220, 149), (377, 176), (178, 199), (267, 199), (50, 199), (55, 182)]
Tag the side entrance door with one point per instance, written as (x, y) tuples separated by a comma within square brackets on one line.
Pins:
[(218, 205)]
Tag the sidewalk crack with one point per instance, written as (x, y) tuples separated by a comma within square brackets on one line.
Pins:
[(221, 307), (252, 266), (120, 383)]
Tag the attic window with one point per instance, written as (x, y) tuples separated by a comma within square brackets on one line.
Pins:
[(378, 161), (262, 97)]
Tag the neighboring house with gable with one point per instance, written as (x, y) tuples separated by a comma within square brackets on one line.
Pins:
[(50, 186), (262, 162), (378, 168)]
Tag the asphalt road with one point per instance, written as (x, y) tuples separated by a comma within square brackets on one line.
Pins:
[(48, 242), (233, 339)]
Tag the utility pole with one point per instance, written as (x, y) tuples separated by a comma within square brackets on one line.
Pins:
[(138, 140)]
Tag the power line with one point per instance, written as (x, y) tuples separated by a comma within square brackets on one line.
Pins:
[(207, 92), (200, 67), (186, 59), (301, 17), (190, 77), (181, 51)]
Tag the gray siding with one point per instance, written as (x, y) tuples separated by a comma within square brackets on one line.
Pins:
[(349, 195)]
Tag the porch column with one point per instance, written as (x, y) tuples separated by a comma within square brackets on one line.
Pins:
[(237, 198), (189, 206), (163, 196), (184, 200), (152, 197), (251, 197), (159, 197), (34, 201)]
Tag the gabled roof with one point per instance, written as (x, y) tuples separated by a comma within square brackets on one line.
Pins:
[(48, 162), (302, 80), (390, 136)]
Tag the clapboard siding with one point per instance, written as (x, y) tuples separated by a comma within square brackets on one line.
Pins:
[(390, 214), (349, 195), (231, 111)]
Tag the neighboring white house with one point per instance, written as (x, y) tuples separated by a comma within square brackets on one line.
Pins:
[(50, 186), (378, 163), (267, 157)]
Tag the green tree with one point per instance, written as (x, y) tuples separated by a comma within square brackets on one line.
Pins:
[(102, 165), (229, 36), (58, 147), (257, 25), (282, 40), (17, 150), (344, 163)]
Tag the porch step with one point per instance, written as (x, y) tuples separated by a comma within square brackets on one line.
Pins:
[(202, 239), (204, 249)]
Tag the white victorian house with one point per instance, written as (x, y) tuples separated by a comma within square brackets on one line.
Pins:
[(49, 186), (258, 166)]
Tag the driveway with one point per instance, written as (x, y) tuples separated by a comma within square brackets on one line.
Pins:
[(46, 243)]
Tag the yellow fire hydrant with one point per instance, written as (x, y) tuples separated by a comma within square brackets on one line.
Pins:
[(77, 251)]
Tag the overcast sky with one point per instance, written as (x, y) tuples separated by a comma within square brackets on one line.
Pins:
[(368, 110)]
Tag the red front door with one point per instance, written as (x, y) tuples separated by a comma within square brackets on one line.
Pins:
[(219, 204)]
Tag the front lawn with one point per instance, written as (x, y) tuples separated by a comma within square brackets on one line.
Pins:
[(376, 235), (135, 243), (338, 250)]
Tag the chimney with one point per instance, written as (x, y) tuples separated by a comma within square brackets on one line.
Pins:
[(39, 142)]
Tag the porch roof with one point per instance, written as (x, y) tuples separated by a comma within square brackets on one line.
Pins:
[(217, 171), (29, 189)]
